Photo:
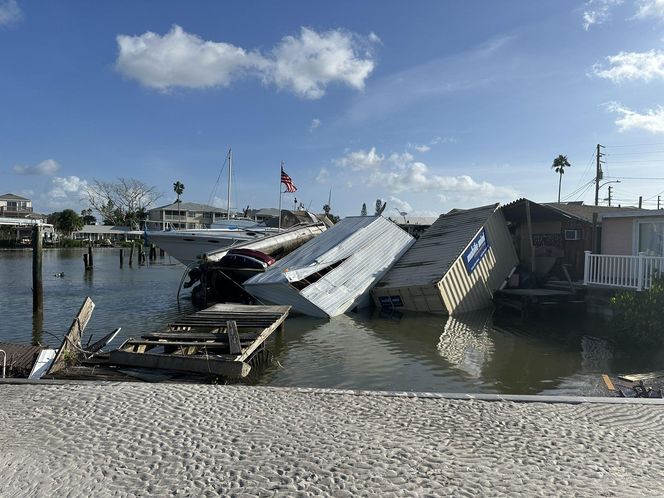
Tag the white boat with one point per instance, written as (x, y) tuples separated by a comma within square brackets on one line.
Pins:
[(189, 245)]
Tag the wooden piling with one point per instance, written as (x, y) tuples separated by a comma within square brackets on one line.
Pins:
[(90, 262), (86, 262), (161, 253), (121, 257), (37, 285), (131, 253)]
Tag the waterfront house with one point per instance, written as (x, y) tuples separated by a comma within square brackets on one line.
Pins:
[(334, 272), (15, 206), (632, 250), (454, 267), (107, 232), (184, 215)]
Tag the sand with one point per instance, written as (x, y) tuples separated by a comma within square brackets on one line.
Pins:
[(194, 440)]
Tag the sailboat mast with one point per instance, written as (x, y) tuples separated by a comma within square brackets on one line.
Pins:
[(230, 168)]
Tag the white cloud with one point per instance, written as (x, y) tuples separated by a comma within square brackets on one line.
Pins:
[(10, 12), (401, 160), (46, 168), (181, 59), (315, 124), (650, 8), (443, 140), (598, 12), (64, 192), (305, 65), (629, 66), (652, 121), (373, 37), (420, 147), (322, 176), (400, 205), (361, 160)]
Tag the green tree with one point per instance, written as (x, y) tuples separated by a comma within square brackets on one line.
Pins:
[(87, 217), (559, 165), (65, 221), (364, 209)]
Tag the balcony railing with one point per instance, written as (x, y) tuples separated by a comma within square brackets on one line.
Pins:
[(628, 272)]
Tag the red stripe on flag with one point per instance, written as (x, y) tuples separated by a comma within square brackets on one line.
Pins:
[(286, 180)]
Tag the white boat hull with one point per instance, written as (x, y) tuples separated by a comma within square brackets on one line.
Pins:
[(188, 246)]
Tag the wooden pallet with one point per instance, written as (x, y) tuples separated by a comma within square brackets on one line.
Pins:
[(217, 341)]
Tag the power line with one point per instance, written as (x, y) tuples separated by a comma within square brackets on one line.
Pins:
[(635, 177), (636, 145)]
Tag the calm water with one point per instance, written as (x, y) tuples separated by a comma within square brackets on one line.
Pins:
[(474, 353)]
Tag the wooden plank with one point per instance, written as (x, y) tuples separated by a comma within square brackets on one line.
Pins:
[(643, 376), (207, 365), (233, 338), (608, 382), (207, 344), (263, 336), (198, 336), (72, 339)]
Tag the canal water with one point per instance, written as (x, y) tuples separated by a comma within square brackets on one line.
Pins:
[(477, 352)]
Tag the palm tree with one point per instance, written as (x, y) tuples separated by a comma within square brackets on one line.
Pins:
[(178, 188), (559, 165)]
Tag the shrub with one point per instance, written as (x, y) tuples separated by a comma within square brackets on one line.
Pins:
[(639, 316)]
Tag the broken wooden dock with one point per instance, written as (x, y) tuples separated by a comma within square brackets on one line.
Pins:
[(219, 341)]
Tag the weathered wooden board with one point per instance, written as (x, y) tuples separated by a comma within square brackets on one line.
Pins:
[(195, 364), (72, 339), (263, 336), (197, 336), (233, 338), (642, 376)]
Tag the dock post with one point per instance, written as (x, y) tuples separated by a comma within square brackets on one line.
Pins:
[(131, 253), (121, 257), (90, 263), (161, 253), (37, 285), (86, 262)]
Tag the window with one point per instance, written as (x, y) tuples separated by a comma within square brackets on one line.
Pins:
[(651, 238)]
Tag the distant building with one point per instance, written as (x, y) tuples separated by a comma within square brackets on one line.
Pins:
[(107, 232), (414, 225), (184, 215), (15, 206)]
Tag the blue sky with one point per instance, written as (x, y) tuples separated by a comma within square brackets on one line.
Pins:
[(427, 105)]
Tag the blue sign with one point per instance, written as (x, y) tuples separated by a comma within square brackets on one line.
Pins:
[(475, 251), (390, 301)]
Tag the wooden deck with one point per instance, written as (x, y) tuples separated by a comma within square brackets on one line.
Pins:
[(217, 341)]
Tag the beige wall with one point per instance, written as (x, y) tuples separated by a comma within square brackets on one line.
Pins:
[(617, 236)]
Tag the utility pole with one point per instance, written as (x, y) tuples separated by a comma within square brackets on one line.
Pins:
[(598, 172), (640, 201), (658, 202), (609, 198)]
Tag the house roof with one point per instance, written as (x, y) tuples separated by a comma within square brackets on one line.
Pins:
[(635, 213), (516, 212), (438, 248), (189, 206), (413, 220), (12, 197), (585, 211)]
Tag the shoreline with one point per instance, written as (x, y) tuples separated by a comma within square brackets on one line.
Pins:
[(123, 438)]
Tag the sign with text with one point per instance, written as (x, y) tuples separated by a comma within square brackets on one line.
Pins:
[(475, 251)]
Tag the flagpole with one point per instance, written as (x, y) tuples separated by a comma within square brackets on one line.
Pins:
[(281, 170)]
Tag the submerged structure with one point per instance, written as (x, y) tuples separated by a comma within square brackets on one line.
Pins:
[(454, 267), (334, 272)]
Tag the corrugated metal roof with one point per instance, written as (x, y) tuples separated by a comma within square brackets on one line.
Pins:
[(363, 247), (437, 249)]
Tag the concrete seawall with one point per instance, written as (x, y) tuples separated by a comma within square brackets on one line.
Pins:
[(113, 439)]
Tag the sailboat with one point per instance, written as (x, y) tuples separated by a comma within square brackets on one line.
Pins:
[(190, 245)]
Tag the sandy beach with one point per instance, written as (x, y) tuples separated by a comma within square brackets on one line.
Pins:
[(196, 440)]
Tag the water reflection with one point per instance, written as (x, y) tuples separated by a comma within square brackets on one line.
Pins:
[(466, 343)]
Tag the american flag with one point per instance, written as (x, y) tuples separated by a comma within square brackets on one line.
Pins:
[(286, 180)]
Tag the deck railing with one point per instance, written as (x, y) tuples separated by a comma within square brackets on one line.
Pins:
[(630, 272)]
